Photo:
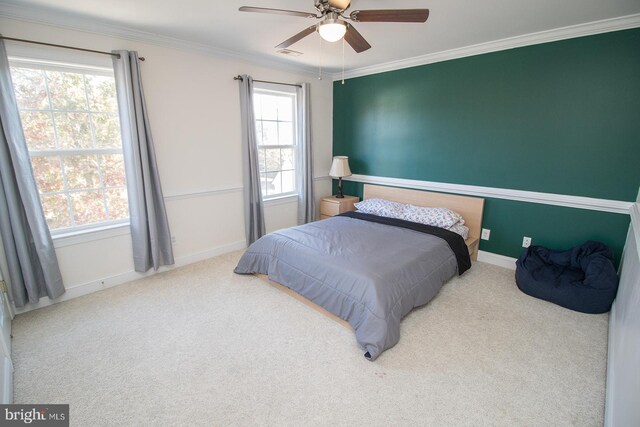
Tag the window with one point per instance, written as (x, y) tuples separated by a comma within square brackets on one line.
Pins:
[(70, 118), (276, 132)]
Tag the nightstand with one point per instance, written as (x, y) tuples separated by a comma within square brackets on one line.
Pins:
[(472, 244), (332, 206)]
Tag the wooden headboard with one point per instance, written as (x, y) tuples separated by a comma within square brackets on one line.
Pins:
[(469, 207)]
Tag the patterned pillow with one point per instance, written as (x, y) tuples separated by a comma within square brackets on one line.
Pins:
[(460, 229), (381, 207), (438, 217)]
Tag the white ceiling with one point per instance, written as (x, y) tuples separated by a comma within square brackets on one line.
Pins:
[(218, 24)]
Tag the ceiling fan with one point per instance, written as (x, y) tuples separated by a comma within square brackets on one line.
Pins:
[(333, 25)]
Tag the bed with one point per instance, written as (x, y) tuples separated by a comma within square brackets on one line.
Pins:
[(368, 272)]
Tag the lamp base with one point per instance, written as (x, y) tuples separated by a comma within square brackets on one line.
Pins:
[(339, 195)]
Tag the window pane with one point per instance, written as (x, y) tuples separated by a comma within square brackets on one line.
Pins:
[(117, 203), (285, 133), (88, 207), (269, 107), (56, 211), (263, 184), (262, 159), (67, 91), (79, 111), (74, 130), (38, 130), (259, 135), (273, 159), (101, 91), (273, 183), (288, 160), (285, 108), (269, 133), (275, 123), (288, 181), (257, 106), (107, 130), (82, 172), (113, 170), (48, 173), (30, 89)]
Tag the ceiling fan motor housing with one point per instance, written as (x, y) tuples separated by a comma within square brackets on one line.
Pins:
[(333, 25), (324, 6)]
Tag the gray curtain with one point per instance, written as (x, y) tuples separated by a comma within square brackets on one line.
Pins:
[(306, 199), (253, 208), (150, 233), (33, 270)]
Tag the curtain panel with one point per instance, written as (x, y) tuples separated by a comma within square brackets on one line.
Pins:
[(28, 247), (150, 234), (253, 206), (306, 198)]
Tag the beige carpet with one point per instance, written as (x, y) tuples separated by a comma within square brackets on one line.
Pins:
[(201, 346)]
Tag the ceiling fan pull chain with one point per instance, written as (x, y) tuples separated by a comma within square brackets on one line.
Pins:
[(320, 62), (343, 60)]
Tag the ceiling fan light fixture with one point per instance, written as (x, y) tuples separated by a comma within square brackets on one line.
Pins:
[(332, 30)]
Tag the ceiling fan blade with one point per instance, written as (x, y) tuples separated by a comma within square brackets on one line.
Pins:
[(392, 15), (277, 11), (340, 4), (355, 40), (302, 34)]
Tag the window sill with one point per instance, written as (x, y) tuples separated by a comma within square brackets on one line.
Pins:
[(91, 235), (281, 200)]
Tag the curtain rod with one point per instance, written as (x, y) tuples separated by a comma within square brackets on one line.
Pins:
[(266, 81), (117, 55)]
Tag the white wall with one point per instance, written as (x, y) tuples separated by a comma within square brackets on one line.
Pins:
[(193, 107), (623, 376)]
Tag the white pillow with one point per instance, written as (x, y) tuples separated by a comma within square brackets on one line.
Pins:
[(460, 229), (438, 217), (381, 207)]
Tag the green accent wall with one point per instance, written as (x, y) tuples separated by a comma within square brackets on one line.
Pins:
[(561, 117)]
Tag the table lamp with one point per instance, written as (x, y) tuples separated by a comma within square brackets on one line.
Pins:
[(339, 169)]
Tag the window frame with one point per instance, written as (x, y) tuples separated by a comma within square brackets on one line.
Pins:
[(288, 91), (34, 60)]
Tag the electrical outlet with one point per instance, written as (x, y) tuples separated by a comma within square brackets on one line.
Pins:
[(485, 234), (526, 242), (173, 239)]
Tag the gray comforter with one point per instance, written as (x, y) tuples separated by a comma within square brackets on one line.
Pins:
[(369, 274)]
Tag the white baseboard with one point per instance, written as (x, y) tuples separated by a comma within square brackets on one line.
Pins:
[(495, 259), (119, 279)]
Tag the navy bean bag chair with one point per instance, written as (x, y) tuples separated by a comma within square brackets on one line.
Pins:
[(582, 279)]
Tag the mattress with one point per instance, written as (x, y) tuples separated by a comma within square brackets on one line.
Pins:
[(368, 270)]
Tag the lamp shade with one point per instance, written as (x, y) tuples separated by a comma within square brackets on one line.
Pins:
[(340, 167)]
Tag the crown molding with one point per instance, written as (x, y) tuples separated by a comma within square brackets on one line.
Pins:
[(94, 26), (569, 201), (580, 30), (44, 17)]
